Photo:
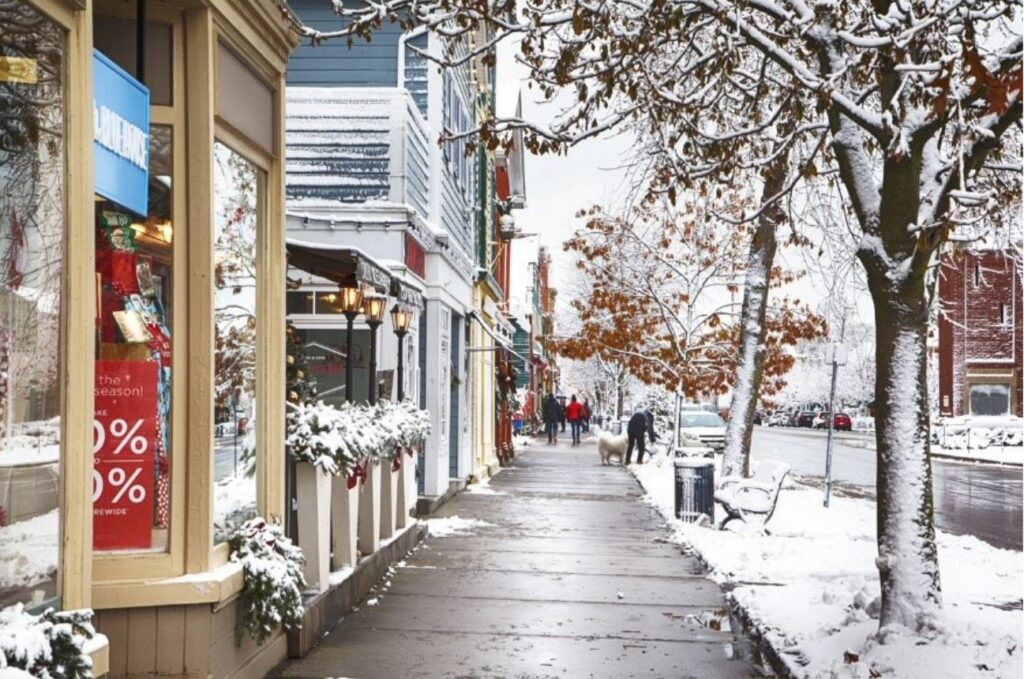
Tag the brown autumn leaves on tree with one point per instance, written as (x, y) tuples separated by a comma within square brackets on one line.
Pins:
[(662, 298)]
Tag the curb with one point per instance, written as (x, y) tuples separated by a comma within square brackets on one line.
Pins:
[(324, 610), (765, 653), (976, 460)]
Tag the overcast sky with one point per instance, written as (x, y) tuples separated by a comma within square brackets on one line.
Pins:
[(590, 174)]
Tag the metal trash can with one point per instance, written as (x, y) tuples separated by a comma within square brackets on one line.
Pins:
[(695, 489)]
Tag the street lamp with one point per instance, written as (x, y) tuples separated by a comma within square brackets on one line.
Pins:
[(373, 308), (351, 305), (400, 320)]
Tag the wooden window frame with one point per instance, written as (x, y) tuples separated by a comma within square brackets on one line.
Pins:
[(117, 567), (144, 579)]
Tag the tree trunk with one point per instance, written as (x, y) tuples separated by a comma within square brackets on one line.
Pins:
[(750, 363), (907, 557), (618, 397)]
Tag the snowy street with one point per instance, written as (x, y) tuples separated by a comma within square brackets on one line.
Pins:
[(970, 499)]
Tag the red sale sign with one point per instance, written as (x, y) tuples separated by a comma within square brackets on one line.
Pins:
[(124, 441)]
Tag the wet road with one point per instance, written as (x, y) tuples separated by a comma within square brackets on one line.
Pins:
[(570, 576), (970, 499)]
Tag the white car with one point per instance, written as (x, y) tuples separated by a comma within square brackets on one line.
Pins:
[(779, 419), (699, 428)]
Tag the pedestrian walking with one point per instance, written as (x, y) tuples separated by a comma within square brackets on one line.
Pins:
[(561, 412), (586, 416), (574, 414), (550, 412), (640, 426)]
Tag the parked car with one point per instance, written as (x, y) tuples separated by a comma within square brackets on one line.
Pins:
[(843, 422), (805, 418), (840, 422), (758, 417), (702, 429), (780, 418)]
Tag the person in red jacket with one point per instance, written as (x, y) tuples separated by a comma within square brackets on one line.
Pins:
[(574, 414)]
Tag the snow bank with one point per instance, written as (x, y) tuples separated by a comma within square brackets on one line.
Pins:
[(812, 589), (454, 525), (482, 488), (28, 551)]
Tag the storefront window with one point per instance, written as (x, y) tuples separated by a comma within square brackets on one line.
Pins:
[(238, 211), (132, 429), (32, 205), (990, 399)]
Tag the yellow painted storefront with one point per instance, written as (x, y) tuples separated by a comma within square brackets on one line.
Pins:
[(484, 385), (212, 239)]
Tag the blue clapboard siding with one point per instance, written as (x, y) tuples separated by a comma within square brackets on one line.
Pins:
[(333, 63), (416, 70), (337, 147), (417, 160)]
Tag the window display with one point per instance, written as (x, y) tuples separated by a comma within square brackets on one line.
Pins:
[(238, 212), (132, 426), (32, 213)]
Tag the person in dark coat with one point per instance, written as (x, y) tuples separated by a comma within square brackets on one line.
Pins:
[(641, 425), (551, 413), (561, 412), (586, 415)]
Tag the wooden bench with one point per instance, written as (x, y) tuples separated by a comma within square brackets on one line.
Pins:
[(753, 498)]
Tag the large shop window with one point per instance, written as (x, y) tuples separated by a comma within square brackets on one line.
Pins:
[(238, 212), (32, 209), (990, 399), (132, 428)]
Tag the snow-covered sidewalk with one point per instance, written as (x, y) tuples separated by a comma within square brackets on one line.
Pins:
[(811, 589)]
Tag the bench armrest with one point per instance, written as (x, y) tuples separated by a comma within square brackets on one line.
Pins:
[(727, 481)]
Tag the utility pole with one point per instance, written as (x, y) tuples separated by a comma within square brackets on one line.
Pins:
[(831, 411)]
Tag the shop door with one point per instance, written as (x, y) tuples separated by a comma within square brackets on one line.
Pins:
[(453, 403)]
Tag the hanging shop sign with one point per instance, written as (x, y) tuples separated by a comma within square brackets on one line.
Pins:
[(124, 439), (120, 114)]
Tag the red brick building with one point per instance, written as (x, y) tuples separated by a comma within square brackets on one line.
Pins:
[(980, 309)]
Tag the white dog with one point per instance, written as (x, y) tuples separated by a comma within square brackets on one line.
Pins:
[(609, 446)]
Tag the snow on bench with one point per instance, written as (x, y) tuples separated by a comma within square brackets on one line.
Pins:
[(755, 497)]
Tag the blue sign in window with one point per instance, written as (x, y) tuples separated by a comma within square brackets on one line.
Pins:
[(120, 113)]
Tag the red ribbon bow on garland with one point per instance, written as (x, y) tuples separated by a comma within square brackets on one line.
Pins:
[(358, 473)]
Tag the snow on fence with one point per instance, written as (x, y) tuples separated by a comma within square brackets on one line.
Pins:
[(969, 433), (352, 484)]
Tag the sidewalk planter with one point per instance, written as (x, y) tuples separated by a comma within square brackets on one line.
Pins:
[(314, 493), (369, 510), (344, 522), (389, 492)]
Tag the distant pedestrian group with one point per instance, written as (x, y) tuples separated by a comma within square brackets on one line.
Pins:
[(575, 413)]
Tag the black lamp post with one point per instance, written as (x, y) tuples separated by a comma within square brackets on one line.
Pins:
[(351, 305), (400, 320), (373, 309)]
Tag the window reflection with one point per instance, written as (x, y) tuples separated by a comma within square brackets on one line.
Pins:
[(31, 248), (238, 207), (132, 398)]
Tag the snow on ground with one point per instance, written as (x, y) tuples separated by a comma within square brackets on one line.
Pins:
[(453, 525), (811, 587), (28, 551), (482, 488)]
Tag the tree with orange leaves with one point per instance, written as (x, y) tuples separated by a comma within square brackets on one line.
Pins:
[(661, 297)]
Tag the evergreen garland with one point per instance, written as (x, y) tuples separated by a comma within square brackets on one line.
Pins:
[(48, 646), (272, 571), (300, 387)]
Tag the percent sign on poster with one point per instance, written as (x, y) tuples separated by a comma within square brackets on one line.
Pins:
[(124, 434)]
